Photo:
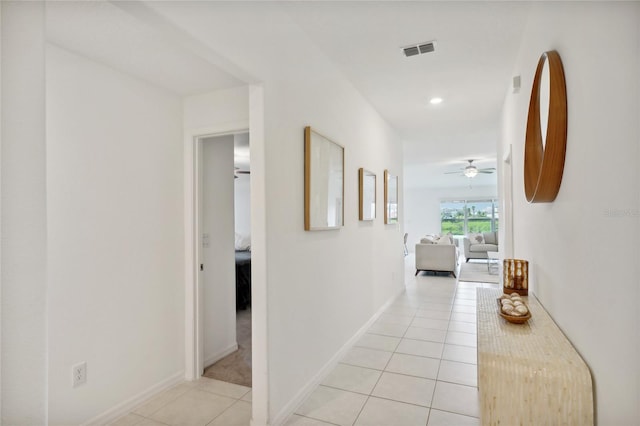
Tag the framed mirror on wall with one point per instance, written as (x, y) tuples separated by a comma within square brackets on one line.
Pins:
[(367, 194), (323, 182), (390, 198), (546, 136)]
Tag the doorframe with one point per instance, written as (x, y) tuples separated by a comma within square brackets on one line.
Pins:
[(199, 210), (194, 345), (259, 307)]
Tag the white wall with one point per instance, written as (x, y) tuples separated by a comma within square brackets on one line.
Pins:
[(24, 291), (218, 278), (115, 236), (582, 248), (217, 111), (422, 206), (323, 286)]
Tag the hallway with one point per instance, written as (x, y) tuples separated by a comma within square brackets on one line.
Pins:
[(416, 365)]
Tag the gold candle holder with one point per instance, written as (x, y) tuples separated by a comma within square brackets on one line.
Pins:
[(515, 276)]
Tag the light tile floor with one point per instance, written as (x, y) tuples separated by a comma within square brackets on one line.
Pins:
[(415, 366), (202, 402)]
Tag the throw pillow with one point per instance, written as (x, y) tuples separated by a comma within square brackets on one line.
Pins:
[(444, 240), (476, 238), (429, 239)]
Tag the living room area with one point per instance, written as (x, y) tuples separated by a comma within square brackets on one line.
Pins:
[(452, 221)]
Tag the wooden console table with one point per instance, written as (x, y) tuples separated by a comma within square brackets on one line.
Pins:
[(529, 374)]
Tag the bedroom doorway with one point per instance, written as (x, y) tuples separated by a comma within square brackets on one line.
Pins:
[(224, 257), (194, 359)]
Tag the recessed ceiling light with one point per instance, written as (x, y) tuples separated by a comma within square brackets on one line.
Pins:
[(435, 101)]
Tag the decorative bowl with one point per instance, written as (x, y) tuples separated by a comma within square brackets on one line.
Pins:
[(511, 318)]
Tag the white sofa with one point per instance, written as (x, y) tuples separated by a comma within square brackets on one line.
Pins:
[(436, 257), (474, 250)]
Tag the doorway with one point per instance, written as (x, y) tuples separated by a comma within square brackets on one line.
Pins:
[(193, 319), (223, 272), (224, 253)]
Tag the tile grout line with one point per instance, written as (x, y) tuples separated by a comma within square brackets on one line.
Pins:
[(224, 411), (453, 412), (313, 418), (364, 405), (401, 402)]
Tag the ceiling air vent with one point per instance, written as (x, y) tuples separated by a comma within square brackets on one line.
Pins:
[(427, 47), (411, 51), (418, 49)]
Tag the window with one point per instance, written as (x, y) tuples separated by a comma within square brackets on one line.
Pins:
[(461, 217), (452, 217)]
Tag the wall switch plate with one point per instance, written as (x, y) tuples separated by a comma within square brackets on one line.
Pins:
[(79, 374)]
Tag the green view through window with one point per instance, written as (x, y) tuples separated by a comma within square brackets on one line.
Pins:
[(461, 217)]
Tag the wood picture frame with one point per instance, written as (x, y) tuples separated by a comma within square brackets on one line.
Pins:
[(366, 195), (391, 206), (323, 182)]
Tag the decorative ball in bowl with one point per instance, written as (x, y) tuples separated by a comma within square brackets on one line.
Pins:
[(512, 308)]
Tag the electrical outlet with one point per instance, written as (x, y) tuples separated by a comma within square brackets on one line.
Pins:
[(79, 374)]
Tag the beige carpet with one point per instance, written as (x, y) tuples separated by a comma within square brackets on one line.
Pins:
[(236, 367), (477, 272)]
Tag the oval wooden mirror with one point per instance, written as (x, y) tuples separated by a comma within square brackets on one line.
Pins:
[(544, 154)]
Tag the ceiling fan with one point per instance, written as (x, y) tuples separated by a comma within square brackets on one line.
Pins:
[(471, 171), (237, 171)]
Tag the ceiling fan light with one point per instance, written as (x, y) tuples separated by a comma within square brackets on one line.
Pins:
[(470, 171)]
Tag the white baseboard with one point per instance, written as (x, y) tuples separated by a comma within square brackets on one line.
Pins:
[(304, 393), (212, 359), (125, 407)]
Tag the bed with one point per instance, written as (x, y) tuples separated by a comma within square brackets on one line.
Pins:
[(243, 279)]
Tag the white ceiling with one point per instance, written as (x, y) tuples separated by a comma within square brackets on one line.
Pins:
[(105, 33), (476, 43)]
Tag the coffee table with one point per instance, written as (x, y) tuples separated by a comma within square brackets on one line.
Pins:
[(493, 262)]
